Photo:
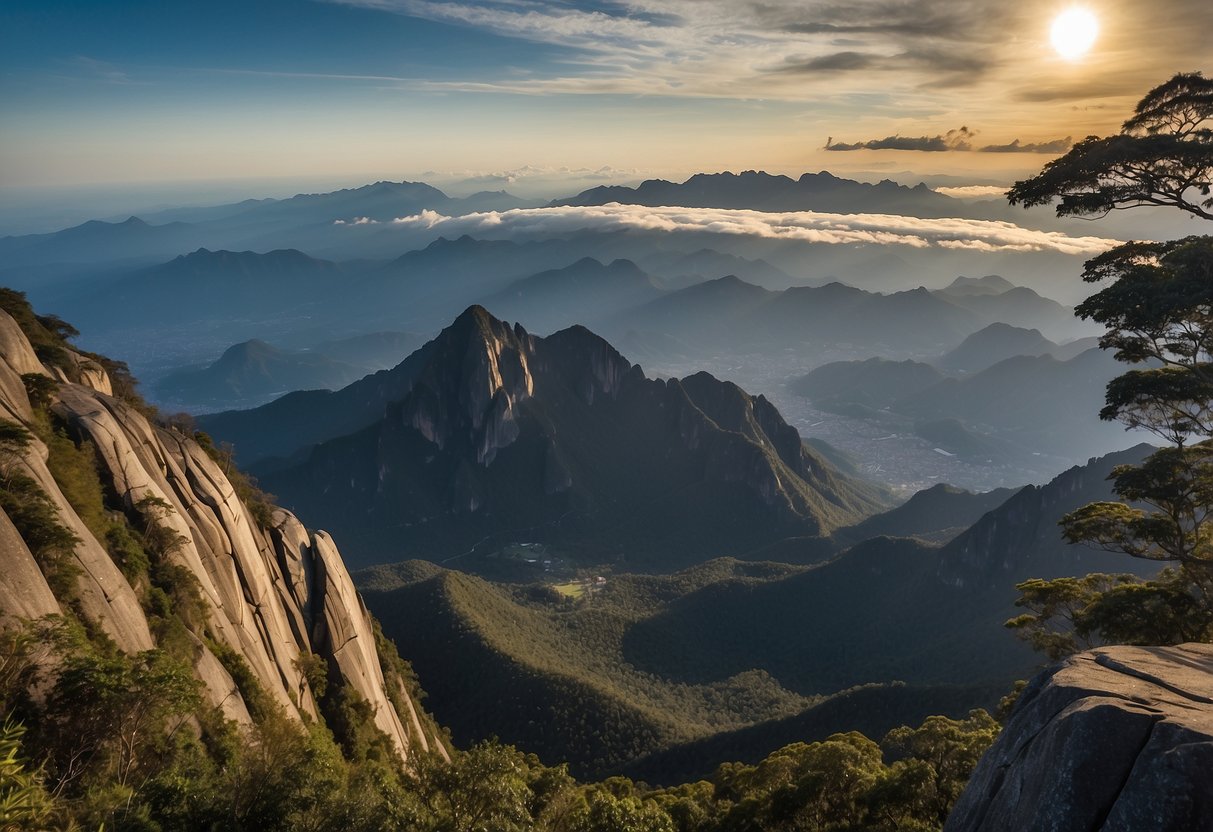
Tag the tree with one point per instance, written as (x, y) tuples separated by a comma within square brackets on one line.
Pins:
[(1162, 154), (1157, 307)]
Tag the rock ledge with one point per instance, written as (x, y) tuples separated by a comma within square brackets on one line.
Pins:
[(1115, 739)]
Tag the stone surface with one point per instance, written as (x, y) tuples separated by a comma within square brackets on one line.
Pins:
[(273, 594), (1116, 739)]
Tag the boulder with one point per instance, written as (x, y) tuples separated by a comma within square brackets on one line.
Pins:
[(1117, 739)]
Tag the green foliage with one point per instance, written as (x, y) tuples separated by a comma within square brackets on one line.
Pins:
[(40, 389), (1162, 154), (35, 516), (47, 334), (485, 788), (24, 801), (1067, 615), (1158, 311), (74, 468), (557, 679)]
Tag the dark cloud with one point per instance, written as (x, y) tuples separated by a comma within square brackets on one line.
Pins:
[(950, 68), (910, 18), (836, 62), (1055, 146), (959, 139)]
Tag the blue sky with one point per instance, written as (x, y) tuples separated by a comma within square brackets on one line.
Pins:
[(171, 91)]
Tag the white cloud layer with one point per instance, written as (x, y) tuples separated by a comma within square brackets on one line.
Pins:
[(807, 226), (973, 191)]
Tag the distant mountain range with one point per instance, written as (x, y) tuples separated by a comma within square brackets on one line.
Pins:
[(252, 373), (1019, 405), (489, 436), (761, 191)]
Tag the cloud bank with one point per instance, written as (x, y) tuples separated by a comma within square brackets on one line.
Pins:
[(959, 139), (806, 226)]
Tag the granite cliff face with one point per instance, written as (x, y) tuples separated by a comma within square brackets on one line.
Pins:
[(273, 592), (1118, 739)]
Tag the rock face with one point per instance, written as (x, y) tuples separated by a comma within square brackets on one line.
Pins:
[(1118, 739), (273, 592)]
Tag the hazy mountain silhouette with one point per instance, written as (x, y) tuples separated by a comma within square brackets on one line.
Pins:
[(995, 343), (585, 292), (252, 372), (761, 191)]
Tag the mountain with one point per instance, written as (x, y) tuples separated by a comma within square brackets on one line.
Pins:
[(1020, 539), (96, 240), (991, 284), (1037, 402), (383, 201), (206, 286), (1024, 405), (427, 287), (1020, 307), (936, 514), (548, 672), (375, 350), (584, 292), (677, 270), (489, 436), (142, 538), (888, 608), (995, 343), (761, 191), (858, 385), (252, 372), (730, 315)]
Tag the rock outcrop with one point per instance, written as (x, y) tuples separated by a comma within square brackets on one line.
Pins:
[(1118, 739), (273, 592)]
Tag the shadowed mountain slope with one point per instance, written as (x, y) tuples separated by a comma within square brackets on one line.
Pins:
[(489, 435)]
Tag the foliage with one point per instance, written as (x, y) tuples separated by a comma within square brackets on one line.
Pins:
[(1067, 615), (24, 801), (1162, 154), (1157, 307), (40, 389), (47, 334), (34, 514)]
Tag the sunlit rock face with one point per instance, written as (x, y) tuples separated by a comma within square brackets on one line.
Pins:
[(1118, 738), (273, 593)]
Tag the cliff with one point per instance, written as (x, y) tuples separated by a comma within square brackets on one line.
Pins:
[(272, 594), (1118, 738)]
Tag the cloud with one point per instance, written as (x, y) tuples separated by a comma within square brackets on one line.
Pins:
[(972, 191), (807, 226), (722, 48), (1055, 146), (958, 139), (826, 63)]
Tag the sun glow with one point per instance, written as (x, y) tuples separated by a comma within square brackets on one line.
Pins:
[(1074, 32)]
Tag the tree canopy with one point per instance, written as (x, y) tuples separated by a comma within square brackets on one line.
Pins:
[(1162, 156), (1157, 307)]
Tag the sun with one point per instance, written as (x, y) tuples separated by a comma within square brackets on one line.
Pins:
[(1074, 32)]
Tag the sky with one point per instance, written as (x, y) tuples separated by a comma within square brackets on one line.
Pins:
[(497, 93)]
